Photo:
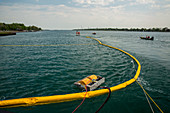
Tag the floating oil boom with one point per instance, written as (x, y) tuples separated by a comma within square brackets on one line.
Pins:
[(70, 97)]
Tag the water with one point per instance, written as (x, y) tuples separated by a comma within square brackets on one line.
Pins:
[(28, 71)]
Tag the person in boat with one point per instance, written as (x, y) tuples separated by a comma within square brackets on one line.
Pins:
[(148, 37)]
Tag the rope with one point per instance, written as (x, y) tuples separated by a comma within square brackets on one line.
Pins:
[(148, 102), (150, 97), (105, 100)]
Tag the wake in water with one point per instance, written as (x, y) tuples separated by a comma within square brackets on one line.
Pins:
[(147, 86)]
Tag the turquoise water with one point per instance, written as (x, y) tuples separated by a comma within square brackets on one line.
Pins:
[(28, 71)]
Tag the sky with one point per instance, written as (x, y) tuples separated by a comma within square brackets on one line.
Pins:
[(71, 14)]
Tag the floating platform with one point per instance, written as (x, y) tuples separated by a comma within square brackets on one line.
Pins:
[(91, 82)]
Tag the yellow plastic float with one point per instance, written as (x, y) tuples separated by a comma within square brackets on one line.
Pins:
[(69, 97), (87, 80)]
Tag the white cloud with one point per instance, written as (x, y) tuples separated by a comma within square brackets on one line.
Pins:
[(79, 1), (65, 17), (167, 6), (155, 6), (151, 3), (94, 2), (61, 16), (145, 1)]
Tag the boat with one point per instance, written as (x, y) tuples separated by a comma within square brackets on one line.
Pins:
[(147, 38), (77, 33), (94, 33)]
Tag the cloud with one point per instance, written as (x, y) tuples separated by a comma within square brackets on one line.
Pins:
[(95, 2), (68, 17), (167, 6), (149, 3), (145, 1), (60, 16)]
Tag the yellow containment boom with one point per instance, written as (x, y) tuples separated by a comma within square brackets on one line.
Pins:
[(69, 97)]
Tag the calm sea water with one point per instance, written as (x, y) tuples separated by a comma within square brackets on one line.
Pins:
[(28, 71)]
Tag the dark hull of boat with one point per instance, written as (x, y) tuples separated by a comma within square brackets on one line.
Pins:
[(147, 38)]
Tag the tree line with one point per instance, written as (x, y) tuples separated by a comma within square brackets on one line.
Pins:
[(18, 27), (165, 29)]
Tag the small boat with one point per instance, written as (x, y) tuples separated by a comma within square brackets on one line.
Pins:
[(94, 33), (147, 38), (77, 33)]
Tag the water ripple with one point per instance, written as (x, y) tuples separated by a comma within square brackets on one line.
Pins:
[(40, 71)]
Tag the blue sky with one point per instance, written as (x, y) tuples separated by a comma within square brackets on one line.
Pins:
[(70, 14)]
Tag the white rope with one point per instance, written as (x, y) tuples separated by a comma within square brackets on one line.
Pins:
[(148, 100)]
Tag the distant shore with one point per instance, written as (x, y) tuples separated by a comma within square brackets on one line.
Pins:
[(165, 29), (6, 33), (12, 29)]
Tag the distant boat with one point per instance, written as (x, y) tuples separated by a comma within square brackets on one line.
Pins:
[(146, 38), (94, 33), (77, 33)]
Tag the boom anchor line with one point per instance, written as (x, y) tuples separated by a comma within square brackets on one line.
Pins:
[(32, 101)]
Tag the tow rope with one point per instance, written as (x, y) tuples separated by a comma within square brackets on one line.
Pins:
[(150, 98)]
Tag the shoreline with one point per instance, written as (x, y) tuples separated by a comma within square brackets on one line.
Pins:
[(165, 29), (7, 33)]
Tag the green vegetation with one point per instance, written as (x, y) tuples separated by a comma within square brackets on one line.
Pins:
[(17, 27), (165, 29)]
